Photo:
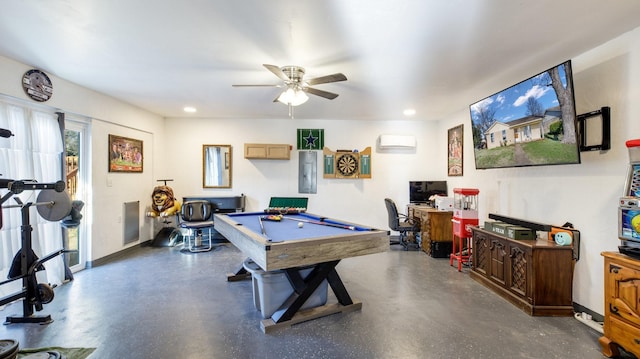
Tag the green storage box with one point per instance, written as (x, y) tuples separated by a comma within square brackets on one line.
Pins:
[(515, 232), (488, 225), (501, 228)]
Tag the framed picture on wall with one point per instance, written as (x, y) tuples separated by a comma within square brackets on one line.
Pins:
[(125, 154), (454, 151)]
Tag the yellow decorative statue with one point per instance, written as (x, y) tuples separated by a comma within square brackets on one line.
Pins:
[(164, 204)]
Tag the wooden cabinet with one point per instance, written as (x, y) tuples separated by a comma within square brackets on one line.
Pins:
[(267, 151), (435, 226), (621, 306), (534, 275)]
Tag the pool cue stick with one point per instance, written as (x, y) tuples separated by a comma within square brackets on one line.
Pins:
[(352, 228), (264, 233)]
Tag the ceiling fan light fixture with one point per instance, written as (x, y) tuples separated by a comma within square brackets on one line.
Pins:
[(293, 96)]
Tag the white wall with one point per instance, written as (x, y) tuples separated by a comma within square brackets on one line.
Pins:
[(103, 211), (586, 194), (356, 200)]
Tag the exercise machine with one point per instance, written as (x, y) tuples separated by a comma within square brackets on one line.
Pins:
[(53, 204)]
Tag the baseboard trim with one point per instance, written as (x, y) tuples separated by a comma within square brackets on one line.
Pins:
[(580, 309), (113, 256)]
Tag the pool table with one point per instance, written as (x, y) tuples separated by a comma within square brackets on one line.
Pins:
[(320, 242)]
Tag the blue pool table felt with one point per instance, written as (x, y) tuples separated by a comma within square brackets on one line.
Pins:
[(288, 230)]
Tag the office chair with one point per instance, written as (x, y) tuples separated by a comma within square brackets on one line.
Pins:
[(196, 217), (400, 223)]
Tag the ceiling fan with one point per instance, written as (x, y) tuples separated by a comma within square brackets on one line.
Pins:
[(295, 88)]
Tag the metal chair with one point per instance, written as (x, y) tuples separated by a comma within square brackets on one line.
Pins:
[(400, 223), (197, 217)]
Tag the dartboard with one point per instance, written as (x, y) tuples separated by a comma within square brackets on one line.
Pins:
[(347, 164)]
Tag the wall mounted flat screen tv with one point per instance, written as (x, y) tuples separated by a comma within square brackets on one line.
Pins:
[(420, 191), (532, 123)]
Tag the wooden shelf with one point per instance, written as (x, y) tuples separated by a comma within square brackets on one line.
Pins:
[(267, 151)]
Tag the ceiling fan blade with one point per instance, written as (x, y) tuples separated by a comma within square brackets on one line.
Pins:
[(326, 79), (276, 71), (255, 85), (325, 94)]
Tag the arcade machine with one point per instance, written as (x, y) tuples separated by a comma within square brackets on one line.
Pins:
[(629, 205)]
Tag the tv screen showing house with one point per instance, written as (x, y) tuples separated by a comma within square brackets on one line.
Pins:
[(532, 123)]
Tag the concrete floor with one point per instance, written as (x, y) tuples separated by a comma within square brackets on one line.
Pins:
[(162, 303)]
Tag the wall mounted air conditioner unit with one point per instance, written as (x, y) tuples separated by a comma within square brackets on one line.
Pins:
[(397, 141)]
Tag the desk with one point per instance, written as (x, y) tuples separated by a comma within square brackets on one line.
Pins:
[(221, 204), (435, 226), (289, 247)]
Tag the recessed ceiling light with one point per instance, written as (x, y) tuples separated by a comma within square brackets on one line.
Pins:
[(409, 112), (190, 109)]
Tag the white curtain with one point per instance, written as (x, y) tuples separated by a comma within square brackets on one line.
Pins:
[(33, 153)]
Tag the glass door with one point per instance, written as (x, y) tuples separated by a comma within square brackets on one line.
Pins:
[(77, 168)]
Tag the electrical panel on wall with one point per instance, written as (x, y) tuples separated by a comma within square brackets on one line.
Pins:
[(307, 172)]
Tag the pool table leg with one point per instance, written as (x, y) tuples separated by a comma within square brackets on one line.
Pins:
[(338, 288), (304, 288)]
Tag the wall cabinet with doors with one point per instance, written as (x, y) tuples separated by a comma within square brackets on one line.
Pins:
[(267, 151)]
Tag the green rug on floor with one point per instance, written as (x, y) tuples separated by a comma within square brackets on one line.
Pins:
[(69, 353)]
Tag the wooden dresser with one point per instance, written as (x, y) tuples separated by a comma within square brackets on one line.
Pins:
[(435, 225), (535, 275), (621, 306)]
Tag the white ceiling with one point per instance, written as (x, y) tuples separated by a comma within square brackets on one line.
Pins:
[(436, 56)]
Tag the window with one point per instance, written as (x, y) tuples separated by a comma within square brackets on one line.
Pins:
[(32, 153)]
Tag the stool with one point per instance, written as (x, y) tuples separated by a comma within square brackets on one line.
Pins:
[(458, 251)]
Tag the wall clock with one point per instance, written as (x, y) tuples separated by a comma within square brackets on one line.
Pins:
[(37, 85)]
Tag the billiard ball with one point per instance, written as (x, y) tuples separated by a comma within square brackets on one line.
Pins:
[(300, 224)]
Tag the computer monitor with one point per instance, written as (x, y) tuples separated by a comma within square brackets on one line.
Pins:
[(420, 191)]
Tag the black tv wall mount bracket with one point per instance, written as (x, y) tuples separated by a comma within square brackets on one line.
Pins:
[(605, 142)]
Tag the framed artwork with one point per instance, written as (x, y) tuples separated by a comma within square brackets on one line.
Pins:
[(454, 151), (125, 154), (310, 139)]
